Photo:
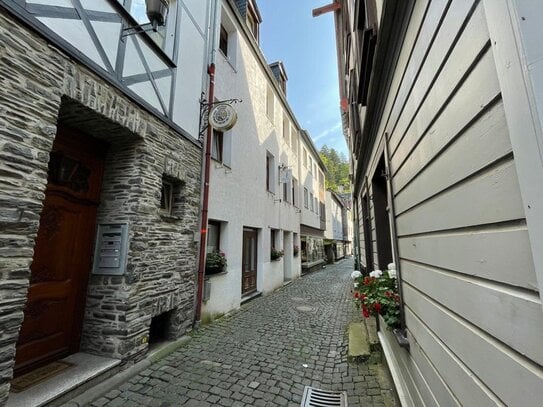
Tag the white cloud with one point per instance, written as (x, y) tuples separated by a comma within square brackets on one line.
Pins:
[(328, 131)]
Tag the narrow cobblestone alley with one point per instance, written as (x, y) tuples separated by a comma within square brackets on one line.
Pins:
[(264, 354)]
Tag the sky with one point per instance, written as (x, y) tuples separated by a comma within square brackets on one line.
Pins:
[(307, 47)]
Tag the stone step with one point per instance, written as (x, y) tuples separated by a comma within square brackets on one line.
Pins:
[(359, 348)]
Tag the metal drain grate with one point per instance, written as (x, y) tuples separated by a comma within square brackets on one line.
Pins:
[(323, 398)]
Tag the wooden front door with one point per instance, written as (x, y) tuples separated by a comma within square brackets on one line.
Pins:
[(248, 279), (62, 255)]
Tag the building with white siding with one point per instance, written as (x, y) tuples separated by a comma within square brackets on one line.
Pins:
[(254, 187), (442, 113)]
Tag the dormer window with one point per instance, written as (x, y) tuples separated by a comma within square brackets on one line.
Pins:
[(253, 19)]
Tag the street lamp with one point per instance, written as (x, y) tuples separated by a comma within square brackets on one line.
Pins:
[(156, 11)]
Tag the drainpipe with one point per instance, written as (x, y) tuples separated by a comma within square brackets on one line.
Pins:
[(207, 165)]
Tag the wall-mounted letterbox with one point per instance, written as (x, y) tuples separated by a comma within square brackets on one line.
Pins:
[(111, 249)]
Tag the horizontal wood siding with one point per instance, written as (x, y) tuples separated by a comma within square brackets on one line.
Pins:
[(473, 310)]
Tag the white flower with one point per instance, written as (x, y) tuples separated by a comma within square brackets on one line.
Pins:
[(376, 273), (355, 285), (391, 266), (392, 273), (355, 274)]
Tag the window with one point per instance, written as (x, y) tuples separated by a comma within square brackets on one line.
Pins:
[(171, 199), (286, 130), (294, 189), (310, 165), (213, 236), (305, 157), (294, 140), (323, 212), (166, 197), (306, 198), (285, 191), (217, 143), (223, 41), (253, 19), (273, 238), (311, 202), (138, 10), (270, 172), (316, 206), (270, 102)]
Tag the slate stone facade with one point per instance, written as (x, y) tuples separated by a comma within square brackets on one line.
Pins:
[(41, 88)]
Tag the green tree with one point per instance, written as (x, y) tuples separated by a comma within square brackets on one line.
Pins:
[(338, 169)]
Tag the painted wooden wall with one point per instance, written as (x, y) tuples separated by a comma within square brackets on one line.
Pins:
[(473, 311)]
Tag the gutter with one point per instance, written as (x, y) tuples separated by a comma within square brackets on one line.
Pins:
[(207, 165)]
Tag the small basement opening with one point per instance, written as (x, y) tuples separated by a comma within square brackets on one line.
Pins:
[(160, 328)]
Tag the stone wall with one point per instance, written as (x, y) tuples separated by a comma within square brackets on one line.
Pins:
[(42, 88)]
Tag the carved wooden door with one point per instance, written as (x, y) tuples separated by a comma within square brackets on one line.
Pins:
[(248, 279), (62, 254)]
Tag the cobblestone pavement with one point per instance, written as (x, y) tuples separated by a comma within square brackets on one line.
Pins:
[(264, 354)]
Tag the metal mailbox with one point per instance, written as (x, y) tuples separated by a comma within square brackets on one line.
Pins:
[(111, 249)]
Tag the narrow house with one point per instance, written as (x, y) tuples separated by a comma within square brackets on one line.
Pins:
[(442, 112), (100, 181), (334, 245), (254, 211), (313, 210)]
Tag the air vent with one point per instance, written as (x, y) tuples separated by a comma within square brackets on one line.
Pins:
[(323, 398)]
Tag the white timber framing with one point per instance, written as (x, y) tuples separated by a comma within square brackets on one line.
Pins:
[(523, 118)]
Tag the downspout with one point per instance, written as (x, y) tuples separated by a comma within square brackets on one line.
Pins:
[(207, 165)]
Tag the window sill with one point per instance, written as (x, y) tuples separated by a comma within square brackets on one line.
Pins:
[(222, 273), (228, 60), (169, 218)]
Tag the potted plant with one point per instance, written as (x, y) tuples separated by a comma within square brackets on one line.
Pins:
[(215, 262), (295, 250), (276, 254), (377, 294)]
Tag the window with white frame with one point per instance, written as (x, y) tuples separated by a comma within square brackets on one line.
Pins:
[(223, 41), (213, 236), (217, 144), (294, 191), (270, 172), (228, 40), (253, 20), (294, 139), (270, 103), (286, 129), (311, 202), (306, 198)]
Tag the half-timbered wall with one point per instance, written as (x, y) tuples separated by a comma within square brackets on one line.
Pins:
[(472, 305), (167, 77)]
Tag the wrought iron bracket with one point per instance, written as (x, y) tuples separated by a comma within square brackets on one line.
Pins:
[(205, 107)]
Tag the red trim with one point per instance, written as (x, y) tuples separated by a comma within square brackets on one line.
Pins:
[(205, 203), (326, 9)]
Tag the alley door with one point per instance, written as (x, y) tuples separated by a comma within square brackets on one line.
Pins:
[(248, 279), (62, 255)]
